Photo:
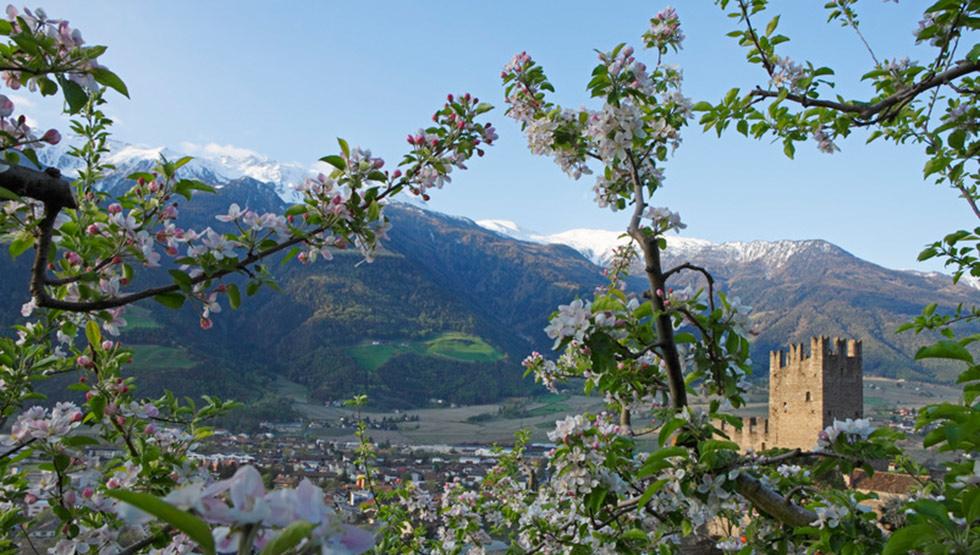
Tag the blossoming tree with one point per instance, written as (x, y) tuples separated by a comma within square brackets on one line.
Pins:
[(90, 252), (647, 354)]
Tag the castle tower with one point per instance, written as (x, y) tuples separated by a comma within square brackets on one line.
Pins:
[(808, 391)]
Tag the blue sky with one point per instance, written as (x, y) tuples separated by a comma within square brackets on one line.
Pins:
[(285, 80)]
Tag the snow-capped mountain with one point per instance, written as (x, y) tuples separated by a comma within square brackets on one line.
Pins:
[(212, 163), (598, 245)]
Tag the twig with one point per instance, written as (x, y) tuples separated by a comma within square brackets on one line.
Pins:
[(17, 448)]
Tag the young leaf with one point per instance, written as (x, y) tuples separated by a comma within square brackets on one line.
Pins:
[(195, 528), (288, 538), (170, 300), (234, 297), (93, 333), (105, 77)]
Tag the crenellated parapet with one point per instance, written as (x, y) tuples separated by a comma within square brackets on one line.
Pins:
[(754, 433)]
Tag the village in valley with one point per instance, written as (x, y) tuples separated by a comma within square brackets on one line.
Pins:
[(809, 387)]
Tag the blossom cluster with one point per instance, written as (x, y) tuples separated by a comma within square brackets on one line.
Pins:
[(40, 423), (665, 31), (242, 500), (851, 430), (67, 41)]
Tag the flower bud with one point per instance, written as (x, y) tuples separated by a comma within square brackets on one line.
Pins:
[(84, 361), (6, 106), (115, 208), (51, 136)]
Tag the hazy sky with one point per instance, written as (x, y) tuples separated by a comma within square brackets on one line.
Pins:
[(286, 80)]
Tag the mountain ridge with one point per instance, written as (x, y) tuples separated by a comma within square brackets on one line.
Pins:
[(340, 328)]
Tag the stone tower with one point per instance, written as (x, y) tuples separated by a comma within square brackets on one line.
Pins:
[(807, 392)]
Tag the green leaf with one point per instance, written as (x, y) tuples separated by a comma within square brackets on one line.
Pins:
[(195, 528), (335, 161), (79, 441), (105, 77), (234, 296), (20, 245), (296, 209), (772, 25), (288, 538), (183, 279), (789, 150), (945, 349), (93, 333), (170, 300), (7, 194), (344, 147), (904, 539)]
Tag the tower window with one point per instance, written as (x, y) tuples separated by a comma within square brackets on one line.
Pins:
[(807, 396), (785, 406)]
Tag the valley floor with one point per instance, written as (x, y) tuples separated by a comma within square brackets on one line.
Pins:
[(887, 400)]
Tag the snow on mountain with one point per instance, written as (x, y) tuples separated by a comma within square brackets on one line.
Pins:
[(598, 244), (212, 163)]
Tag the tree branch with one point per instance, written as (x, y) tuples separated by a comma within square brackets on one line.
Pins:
[(655, 276), (145, 542), (46, 186), (866, 111), (46, 301), (704, 272), (13, 450), (772, 503)]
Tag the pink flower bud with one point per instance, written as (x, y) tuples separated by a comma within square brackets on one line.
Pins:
[(112, 483), (150, 429), (70, 498), (449, 97), (92, 229), (396, 174), (206, 323), (30, 499), (73, 258), (76, 417), (51, 136), (89, 395), (6, 106), (115, 208), (87, 492), (84, 361)]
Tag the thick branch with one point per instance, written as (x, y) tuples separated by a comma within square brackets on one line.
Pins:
[(865, 111), (46, 186), (773, 504), (655, 276)]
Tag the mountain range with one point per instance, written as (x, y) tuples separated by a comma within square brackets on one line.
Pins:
[(451, 306)]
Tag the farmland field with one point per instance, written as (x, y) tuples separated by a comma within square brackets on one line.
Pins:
[(455, 346), (157, 357)]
